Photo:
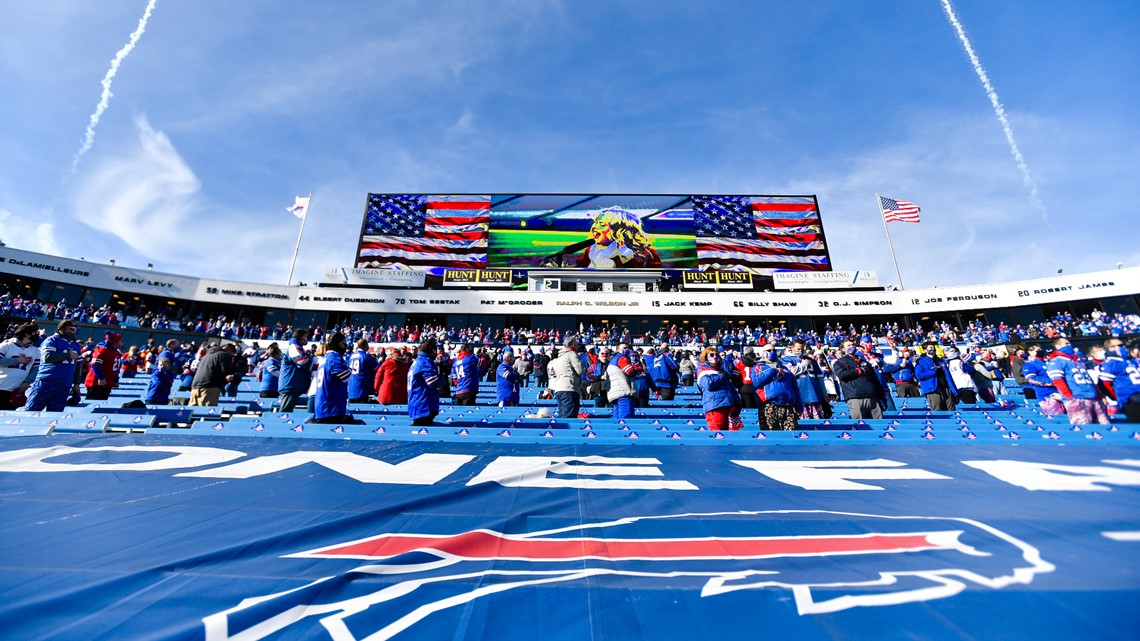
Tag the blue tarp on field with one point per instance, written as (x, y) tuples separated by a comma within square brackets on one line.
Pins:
[(180, 537)]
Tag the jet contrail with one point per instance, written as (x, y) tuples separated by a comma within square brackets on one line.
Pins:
[(996, 102), (89, 138)]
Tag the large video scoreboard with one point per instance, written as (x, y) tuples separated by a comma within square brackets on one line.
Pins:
[(759, 234)]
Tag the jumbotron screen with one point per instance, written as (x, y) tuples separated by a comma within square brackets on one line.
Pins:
[(760, 234)]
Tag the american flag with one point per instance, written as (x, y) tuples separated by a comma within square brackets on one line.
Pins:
[(759, 234), (416, 230), (898, 210)]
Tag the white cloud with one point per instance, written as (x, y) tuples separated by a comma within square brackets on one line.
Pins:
[(40, 237), (144, 197)]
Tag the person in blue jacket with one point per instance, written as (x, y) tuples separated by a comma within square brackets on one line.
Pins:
[(467, 375), (296, 371), (1038, 385), (719, 398), (271, 371), (809, 381), (363, 367), (782, 402), (161, 380), (663, 371), (1121, 372), (934, 380), (423, 385), (507, 381), (330, 404), (902, 371), (57, 377)]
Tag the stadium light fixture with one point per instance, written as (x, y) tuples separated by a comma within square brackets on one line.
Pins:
[(1059, 271), (150, 267), (1119, 265), (112, 262)]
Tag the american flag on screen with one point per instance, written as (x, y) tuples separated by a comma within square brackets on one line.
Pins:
[(898, 211), (759, 234), (416, 230)]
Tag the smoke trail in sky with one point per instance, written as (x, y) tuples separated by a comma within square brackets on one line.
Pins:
[(89, 138), (996, 102)]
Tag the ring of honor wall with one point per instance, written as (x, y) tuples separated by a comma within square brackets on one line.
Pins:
[(758, 234)]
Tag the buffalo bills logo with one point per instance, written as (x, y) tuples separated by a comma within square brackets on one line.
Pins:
[(827, 561)]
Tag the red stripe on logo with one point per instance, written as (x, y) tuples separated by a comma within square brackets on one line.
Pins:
[(489, 545)]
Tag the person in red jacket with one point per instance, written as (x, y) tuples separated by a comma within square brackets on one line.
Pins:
[(103, 376), (392, 380)]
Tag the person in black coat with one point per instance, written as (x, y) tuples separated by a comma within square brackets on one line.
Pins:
[(859, 381)]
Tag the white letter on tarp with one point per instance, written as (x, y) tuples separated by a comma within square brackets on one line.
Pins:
[(1046, 476), (425, 469), (34, 460), (835, 475), (531, 471)]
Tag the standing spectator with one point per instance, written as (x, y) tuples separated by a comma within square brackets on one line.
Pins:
[(523, 368), (363, 368), (809, 381), (664, 373), (719, 398), (508, 380), (467, 375), (621, 373), (934, 381), (990, 367), (1121, 373), (19, 362), (859, 382), (539, 363), (962, 375), (392, 380), (57, 377), (1038, 385), (443, 364), (130, 363), (271, 372), (330, 403), (103, 376), (214, 370), (596, 380), (311, 393), (567, 379), (423, 386), (1081, 400), (1016, 362), (240, 366), (296, 371), (903, 374), (782, 403), (749, 395), (688, 369), (161, 380)]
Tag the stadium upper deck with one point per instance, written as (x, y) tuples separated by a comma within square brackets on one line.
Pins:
[(133, 292)]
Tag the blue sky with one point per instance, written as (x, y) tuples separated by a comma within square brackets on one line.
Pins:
[(224, 111)]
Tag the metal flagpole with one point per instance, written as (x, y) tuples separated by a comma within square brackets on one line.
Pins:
[(898, 272), (297, 249)]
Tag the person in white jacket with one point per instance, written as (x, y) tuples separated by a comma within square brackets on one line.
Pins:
[(566, 379), (961, 373)]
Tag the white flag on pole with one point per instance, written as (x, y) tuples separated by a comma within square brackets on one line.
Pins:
[(300, 207)]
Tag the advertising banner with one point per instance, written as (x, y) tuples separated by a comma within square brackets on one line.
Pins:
[(374, 277), (825, 280), (716, 280)]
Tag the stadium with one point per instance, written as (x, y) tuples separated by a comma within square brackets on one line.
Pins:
[(511, 508), (594, 324)]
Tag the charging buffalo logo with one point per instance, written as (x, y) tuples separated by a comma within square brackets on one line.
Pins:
[(829, 561)]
